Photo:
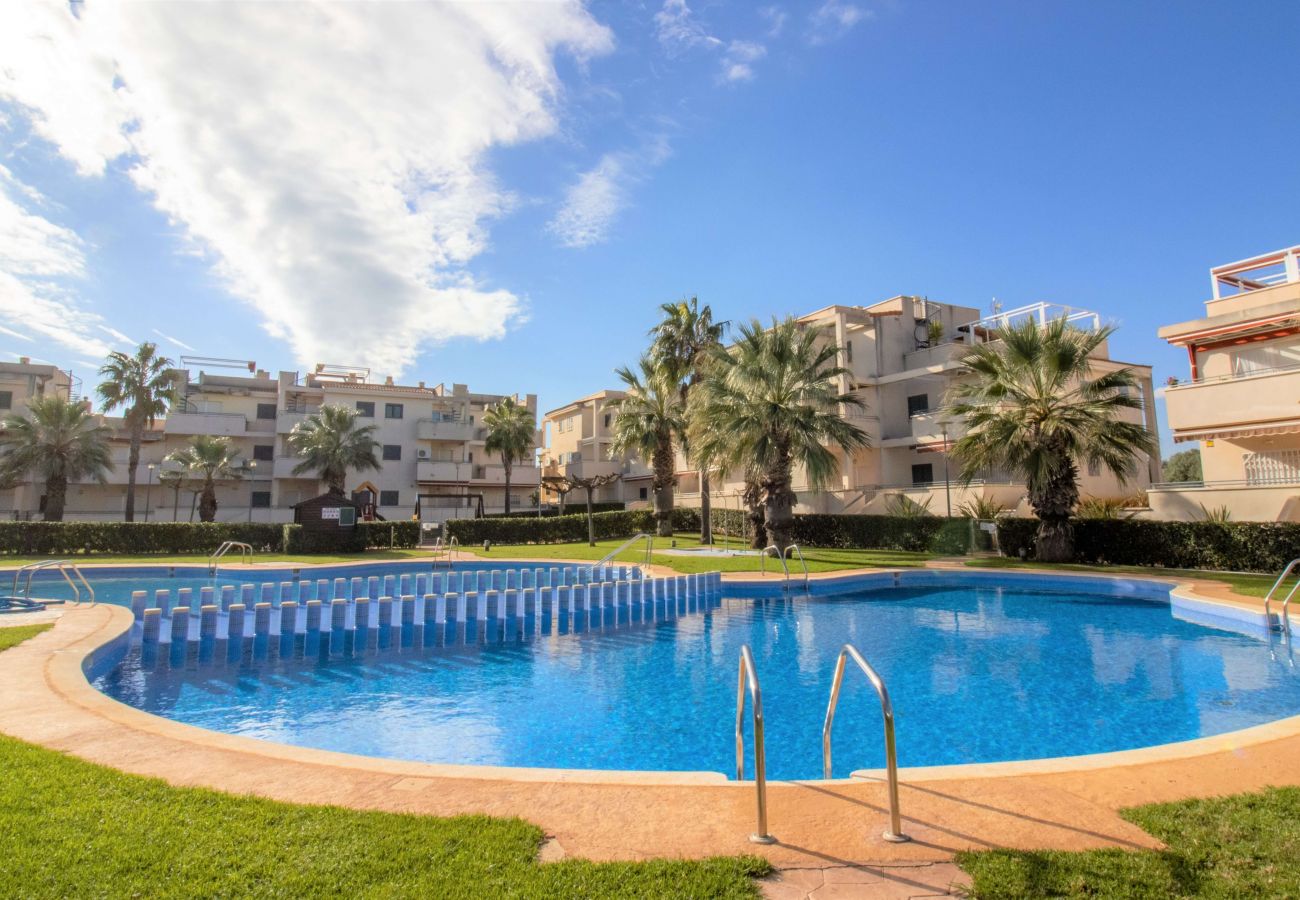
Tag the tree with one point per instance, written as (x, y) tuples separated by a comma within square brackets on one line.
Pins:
[(683, 340), (510, 432), (144, 385), (1184, 466), (1032, 407), (771, 403), (61, 442), (648, 419), (209, 459), (563, 484), (330, 442), (174, 479)]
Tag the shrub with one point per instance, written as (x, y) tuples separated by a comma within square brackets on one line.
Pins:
[(570, 509), (564, 529), (1242, 546), (73, 538), (916, 533)]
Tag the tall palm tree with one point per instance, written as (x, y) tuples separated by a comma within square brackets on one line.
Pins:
[(683, 340), (209, 459), (771, 403), (510, 432), (1032, 407), (648, 420), (59, 440), (144, 386), (330, 442)]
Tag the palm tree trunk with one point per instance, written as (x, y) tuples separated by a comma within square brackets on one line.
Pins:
[(591, 522), (208, 502), (56, 495), (1054, 501), (133, 463), (778, 512), (507, 464), (706, 508), (663, 489)]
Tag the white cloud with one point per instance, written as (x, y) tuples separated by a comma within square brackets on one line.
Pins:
[(737, 62), (775, 17), (593, 203), (679, 30), (833, 19), (331, 160), (38, 261), (173, 340)]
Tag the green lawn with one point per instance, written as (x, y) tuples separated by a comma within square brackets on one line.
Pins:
[(72, 829), (1250, 585), (13, 635), (819, 560), (202, 558), (1242, 846)]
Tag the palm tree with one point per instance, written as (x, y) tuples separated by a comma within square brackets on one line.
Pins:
[(648, 420), (771, 403), (683, 340), (59, 440), (330, 442), (144, 385), (1033, 408), (510, 432), (209, 459)]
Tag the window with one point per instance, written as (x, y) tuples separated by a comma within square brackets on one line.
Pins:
[(388, 498), (645, 493), (917, 404), (607, 418), (392, 410), (264, 452), (392, 451), (6, 399), (261, 499), (366, 409), (347, 516), (923, 473), (266, 410), (848, 351), (1094, 468)]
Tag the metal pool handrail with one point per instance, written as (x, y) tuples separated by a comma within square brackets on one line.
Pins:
[(643, 536), (775, 550), (245, 554), (63, 567), (749, 678), (895, 832), (1268, 609)]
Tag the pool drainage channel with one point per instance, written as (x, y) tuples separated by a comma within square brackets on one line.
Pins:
[(342, 617)]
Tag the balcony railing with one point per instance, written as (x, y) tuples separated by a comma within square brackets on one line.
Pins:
[(1234, 402), (225, 424)]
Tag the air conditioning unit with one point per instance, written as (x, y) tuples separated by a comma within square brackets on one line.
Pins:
[(422, 454)]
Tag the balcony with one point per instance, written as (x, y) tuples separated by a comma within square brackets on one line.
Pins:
[(283, 468), (590, 468), (928, 427), (285, 422), (431, 430), (451, 472), (1235, 404), (520, 476), (215, 424), (942, 356)]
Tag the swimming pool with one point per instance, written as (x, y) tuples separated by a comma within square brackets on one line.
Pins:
[(980, 668)]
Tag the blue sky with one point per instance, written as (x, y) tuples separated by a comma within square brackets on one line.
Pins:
[(502, 196)]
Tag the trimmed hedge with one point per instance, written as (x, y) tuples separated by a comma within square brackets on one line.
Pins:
[(571, 508), (1236, 546), (564, 529), (850, 532), (72, 538)]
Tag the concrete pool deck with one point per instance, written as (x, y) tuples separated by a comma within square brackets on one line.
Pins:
[(1067, 804)]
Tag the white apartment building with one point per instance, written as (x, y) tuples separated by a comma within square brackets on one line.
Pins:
[(578, 437), (431, 448), (1241, 399), (902, 354)]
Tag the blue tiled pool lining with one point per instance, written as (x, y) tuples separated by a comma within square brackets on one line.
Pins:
[(541, 667)]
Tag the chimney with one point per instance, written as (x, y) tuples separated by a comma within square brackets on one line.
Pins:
[(25, 360), (421, 385), (388, 381)]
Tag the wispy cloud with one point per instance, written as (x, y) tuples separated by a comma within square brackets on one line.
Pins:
[(173, 340), (775, 17), (679, 31), (593, 203), (324, 157), (738, 61), (833, 19)]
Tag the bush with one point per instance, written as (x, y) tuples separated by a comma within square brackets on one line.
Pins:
[(915, 533), (1240, 546), (404, 534), (564, 529), (72, 538), (571, 508)]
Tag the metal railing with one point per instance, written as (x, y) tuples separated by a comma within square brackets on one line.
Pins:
[(1268, 598), (782, 557), (449, 549), (245, 554), (895, 831), (749, 679), (64, 568), (643, 536)]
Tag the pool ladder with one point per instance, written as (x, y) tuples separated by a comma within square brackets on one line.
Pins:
[(748, 680), (245, 554), (24, 602), (782, 557), (1268, 598), (643, 536), (450, 549)]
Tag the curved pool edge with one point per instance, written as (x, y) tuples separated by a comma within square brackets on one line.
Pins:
[(74, 716)]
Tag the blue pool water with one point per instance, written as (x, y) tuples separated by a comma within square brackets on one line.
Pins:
[(980, 669)]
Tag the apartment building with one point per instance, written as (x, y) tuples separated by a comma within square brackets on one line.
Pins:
[(578, 437), (1241, 400), (433, 460)]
